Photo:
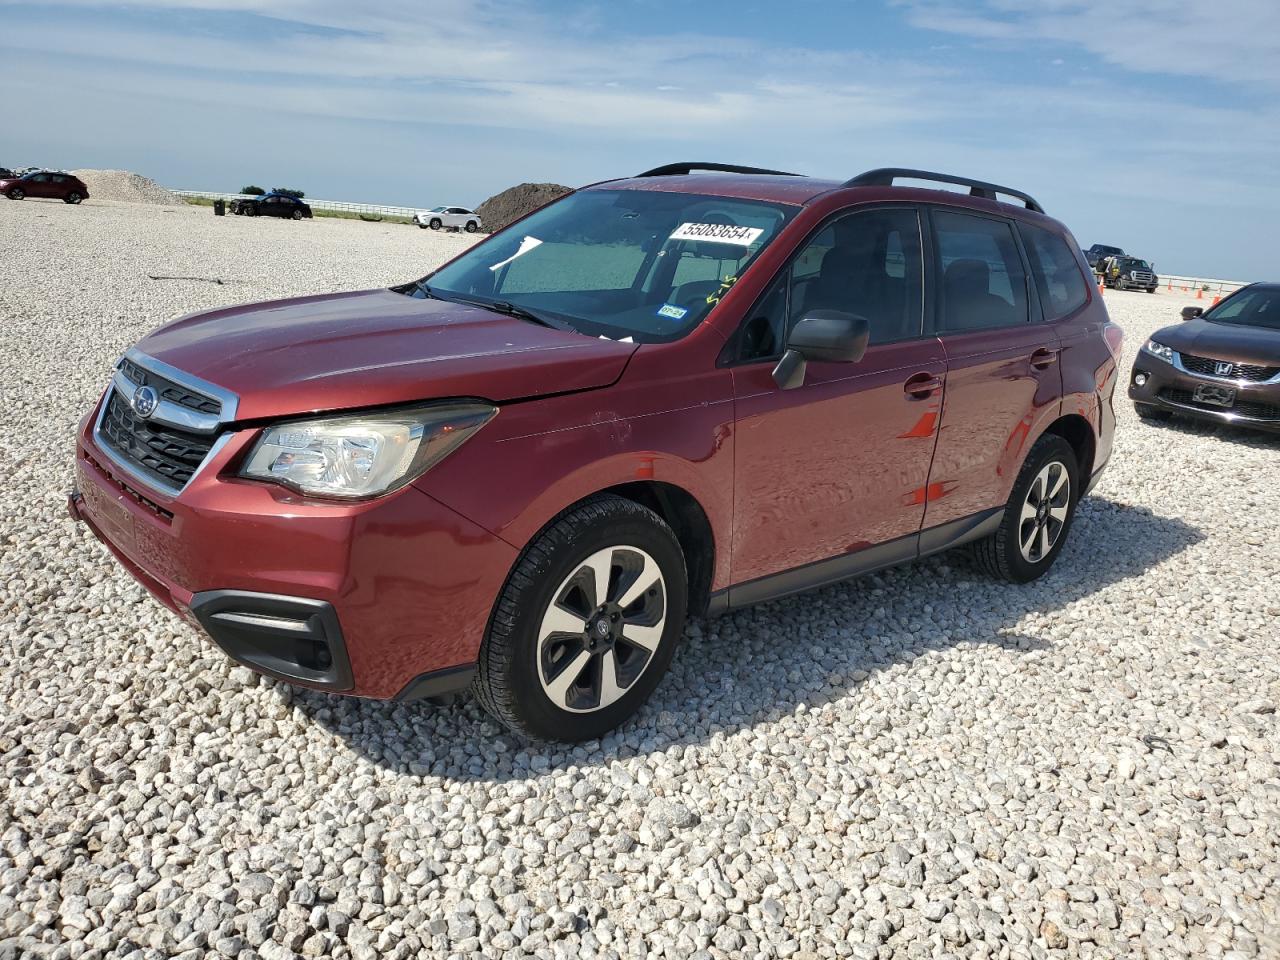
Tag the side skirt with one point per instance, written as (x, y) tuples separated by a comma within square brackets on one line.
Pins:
[(856, 564)]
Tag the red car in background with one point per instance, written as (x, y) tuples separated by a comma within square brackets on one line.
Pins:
[(692, 390), (48, 184)]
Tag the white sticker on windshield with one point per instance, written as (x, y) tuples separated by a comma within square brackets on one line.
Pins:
[(527, 244), (718, 233)]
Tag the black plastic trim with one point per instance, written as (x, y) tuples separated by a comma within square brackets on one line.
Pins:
[(679, 169), (258, 629), (849, 565), (437, 683), (884, 177)]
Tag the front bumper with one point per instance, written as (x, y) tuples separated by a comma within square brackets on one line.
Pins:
[(1167, 387), (385, 599)]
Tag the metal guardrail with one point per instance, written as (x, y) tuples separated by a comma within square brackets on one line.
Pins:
[(1204, 284), (341, 206)]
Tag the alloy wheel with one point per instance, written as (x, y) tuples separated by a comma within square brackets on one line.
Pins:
[(601, 630), (1044, 511)]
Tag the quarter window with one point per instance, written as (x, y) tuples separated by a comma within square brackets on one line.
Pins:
[(867, 264), (983, 284), (1057, 275)]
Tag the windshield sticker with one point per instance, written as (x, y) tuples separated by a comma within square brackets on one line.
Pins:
[(527, 244), (725, 284), (718, 233), (672, 311)]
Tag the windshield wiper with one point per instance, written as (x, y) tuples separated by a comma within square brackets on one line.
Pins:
[(509, 309)]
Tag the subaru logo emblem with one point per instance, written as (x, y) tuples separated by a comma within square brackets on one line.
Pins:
[(144, 401), (1223, 368)]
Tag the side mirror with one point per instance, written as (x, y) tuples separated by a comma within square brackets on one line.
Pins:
[(824, 335), (1190, 313)]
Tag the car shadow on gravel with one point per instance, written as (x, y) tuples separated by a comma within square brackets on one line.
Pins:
[(1243, 436), (836, 639)]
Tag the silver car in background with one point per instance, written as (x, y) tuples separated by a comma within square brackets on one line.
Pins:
[(459, 218)]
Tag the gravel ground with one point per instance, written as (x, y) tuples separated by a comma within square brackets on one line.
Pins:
[(916, 764)]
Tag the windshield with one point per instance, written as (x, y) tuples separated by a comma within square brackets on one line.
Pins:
[(641, 264), (1250, 308)]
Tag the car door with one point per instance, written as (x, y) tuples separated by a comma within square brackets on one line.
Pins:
[(1003, 375), (38, 186), (835, 469)]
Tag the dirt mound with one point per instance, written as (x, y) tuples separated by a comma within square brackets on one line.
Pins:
[(126, 186), (513, 203)]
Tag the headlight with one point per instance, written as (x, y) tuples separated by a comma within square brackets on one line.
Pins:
[(366, 454), (1160, 350)]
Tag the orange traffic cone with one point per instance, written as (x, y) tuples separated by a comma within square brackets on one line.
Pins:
[(1215, 301), (1199, 293), (1171, 286)]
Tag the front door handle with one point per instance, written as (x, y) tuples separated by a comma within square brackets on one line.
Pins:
[(922, 386), (1044, 358)]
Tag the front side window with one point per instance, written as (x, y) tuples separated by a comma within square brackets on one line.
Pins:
[(1057, 275), (1259, 307), (644, 264), (983, 283), (867, 264)]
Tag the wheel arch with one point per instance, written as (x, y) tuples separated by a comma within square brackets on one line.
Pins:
[(1079, 433)]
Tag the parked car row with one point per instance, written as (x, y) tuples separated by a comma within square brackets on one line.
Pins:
[(48, 184)]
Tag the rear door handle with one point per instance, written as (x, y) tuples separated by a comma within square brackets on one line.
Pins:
[(922, 386), (1044, 358)]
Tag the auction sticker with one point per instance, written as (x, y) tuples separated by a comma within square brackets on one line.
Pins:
[(672, 311), (718, 233)]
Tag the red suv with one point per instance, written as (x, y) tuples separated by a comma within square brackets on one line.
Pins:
[(50, 184), (667, 395)]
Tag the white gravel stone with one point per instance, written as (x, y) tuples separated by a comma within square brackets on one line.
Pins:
[(919, 763)]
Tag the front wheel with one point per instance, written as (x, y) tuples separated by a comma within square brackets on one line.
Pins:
[(1037, 516), (17, 193), (1151, 289), (471, 226), (435, 224), (73, 197), (587, 623), (297, 214)]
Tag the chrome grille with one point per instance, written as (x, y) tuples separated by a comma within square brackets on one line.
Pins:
[(165, 449), (1208, 366)]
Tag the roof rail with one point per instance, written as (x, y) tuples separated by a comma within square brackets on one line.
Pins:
[(677, 169), (885, 176)]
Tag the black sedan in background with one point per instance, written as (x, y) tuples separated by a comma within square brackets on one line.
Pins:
[(1222, 366), (271, 205)]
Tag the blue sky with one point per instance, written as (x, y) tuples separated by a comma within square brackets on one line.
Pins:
[(1152, 126)]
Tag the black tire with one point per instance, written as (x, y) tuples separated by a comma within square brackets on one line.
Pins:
[(1151, 289), (508, 680), (435, 224), (471, 226), (1001, 554), (251, 211), (297, 214), (422, 226), (72, 198), (17, 193), (1146, 411)]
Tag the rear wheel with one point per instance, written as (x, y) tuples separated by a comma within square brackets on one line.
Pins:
[(1148, 412), (587, 623), (1037, 516)]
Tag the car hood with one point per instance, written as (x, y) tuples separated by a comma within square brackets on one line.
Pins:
[(377, 347), (1224, 341)]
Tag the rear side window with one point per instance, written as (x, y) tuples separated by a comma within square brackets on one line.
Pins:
[(983, 282), (1057, 275)]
